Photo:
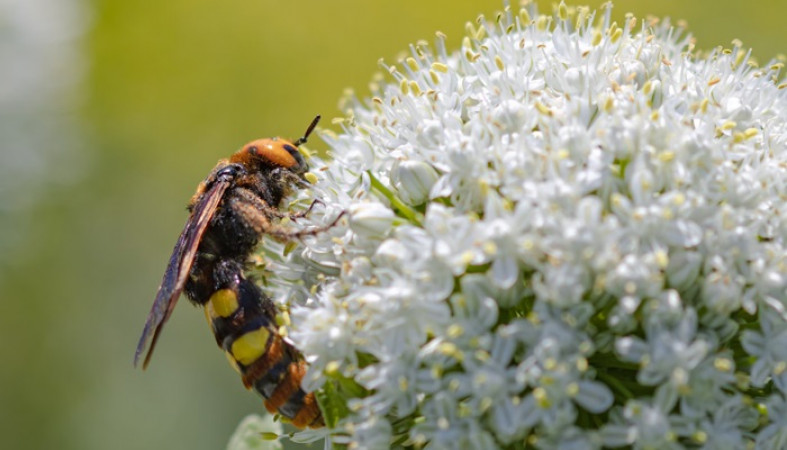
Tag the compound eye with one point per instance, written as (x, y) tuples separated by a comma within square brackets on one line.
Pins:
[(292, 150), (300, 165)]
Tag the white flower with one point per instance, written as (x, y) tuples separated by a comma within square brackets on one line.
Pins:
[(413, 180), (569, 231), (646, 426), (774, 435), (256, 433)]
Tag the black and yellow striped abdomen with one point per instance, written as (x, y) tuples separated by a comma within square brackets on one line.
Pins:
[(240, 315)]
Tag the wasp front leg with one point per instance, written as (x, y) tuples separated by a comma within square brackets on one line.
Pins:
[(270, 211), (258, 214), (298, 215)]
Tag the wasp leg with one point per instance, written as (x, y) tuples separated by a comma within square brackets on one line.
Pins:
[(289, 234), (257, 214), (270, 211), (307, 211)]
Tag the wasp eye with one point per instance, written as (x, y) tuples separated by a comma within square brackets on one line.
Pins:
[(300, 165), (291, 149)]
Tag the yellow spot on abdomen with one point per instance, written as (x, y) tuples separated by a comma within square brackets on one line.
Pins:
[(222, 303), (249, 347)]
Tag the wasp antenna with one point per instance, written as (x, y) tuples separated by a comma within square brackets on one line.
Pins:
[(308, 131)]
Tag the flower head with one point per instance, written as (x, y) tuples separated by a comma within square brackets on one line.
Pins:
[(557, 233)]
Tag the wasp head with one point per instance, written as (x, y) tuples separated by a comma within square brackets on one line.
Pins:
[(271, 154), (274, 154)]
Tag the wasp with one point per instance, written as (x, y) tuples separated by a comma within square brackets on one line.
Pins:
[(233, 208)]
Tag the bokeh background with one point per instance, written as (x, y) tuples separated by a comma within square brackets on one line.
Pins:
[(111, 112)]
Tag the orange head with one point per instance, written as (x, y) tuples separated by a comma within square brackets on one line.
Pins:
[(275, 152)]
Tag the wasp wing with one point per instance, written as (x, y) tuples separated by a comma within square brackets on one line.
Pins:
[(178, 268)]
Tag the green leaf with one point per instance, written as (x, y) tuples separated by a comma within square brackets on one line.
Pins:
[(332, 404)]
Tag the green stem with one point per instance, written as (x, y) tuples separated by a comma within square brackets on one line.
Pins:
[(609, 361), (481, 268), (403, 209)]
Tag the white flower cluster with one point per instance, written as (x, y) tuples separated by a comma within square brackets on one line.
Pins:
[(570, 233)]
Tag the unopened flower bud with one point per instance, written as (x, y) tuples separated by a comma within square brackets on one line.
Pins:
[(414, 180), (370, 219)]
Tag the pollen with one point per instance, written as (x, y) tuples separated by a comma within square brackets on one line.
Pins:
[(455, 330), (415, 88), (562, 11), (450, 349), (541, 397), (439, 67), (467, 257), (728, 125), (739, 58), (596, 38), (481, 33), (662, 259), (609, 103), (543, 109), (470, 29), (332, 368), (403, 384), (542, 23), (433, 76), (524, 16), (723, 364), (490, 248), (666, 156)]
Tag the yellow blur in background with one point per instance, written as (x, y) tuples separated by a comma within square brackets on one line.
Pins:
[(111, 112)]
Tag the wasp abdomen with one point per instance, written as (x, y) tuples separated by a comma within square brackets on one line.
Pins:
[(239, 315)]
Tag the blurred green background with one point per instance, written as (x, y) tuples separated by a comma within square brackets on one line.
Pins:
[(111, 112)]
